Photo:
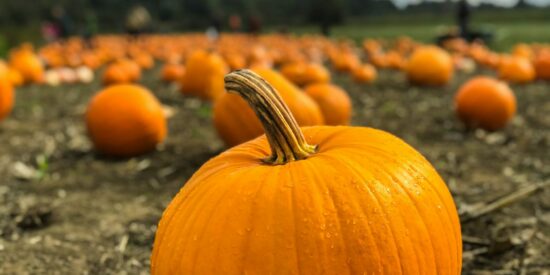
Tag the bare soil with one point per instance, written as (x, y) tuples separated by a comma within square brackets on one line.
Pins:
[(64, 209)]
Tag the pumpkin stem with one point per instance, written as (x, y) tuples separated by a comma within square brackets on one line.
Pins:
[(285, 138)]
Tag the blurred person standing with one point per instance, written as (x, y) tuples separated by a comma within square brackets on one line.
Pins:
[(254, 24), (463, 19), (61, 22), (235, 23), (138, 21)]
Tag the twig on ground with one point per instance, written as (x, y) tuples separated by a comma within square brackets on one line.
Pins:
[(513, 197)]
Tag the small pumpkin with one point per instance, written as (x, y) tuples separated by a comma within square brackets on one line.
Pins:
[(334, 102), (125, 120), (202, 69), (172, 72), (7, 97), (132, 69), (302, 74), (340, 200), (235, 122), (116, 74), (365, 73), (516, 70), (430, 66), (144, 61), (485, 102)]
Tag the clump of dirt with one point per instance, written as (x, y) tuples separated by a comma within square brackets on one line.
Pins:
[(64, 208)]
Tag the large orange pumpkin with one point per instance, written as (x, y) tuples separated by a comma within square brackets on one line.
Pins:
[(334, 102), (7, 97), (316, 200), (516, 69), (542, 65), (430, 65), (235, 121), (202, 69), (125, 120), (485, 102)]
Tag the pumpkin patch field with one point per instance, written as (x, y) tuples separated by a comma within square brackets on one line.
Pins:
[(274, 154)]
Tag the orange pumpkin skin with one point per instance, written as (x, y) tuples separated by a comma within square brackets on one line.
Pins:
[(236, 123), (542, 65), (172, 72), (115, 74), (334, 102), (125, 120), (15, 77), (303, 74), (144, 61), (516, 70), (29, 66), (365, 203), (430, 66), (364, 74), (202, 69), (132, 69), (7, 97), (485, 102)]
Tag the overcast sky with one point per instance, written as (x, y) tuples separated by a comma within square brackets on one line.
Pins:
[(501, 3)]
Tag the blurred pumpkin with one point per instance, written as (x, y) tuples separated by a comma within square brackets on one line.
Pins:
[(144, 61), (116, 74), (430, 65), (340, 200), (365, 73), (201, 70), (131, 68), (125, 120), (542, 65), (485, 102), (7, 97), (235, 121), (15, 77), (334, 102), (28, 64), (172, 72), (303, 74), (523, 50), (516, 70)]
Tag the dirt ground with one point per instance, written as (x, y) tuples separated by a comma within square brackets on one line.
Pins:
[(66, 210)]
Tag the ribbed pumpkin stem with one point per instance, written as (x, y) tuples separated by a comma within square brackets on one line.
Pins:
[(285, 138)]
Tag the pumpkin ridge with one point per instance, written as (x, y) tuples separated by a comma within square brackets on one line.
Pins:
[(297, 253), (174, 206), (457, 239), (257, 196), (215, 208), (187, 196), (385, 154), (315, 204), (376, 200), (338, 215), (427, 187), (321, 182)]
